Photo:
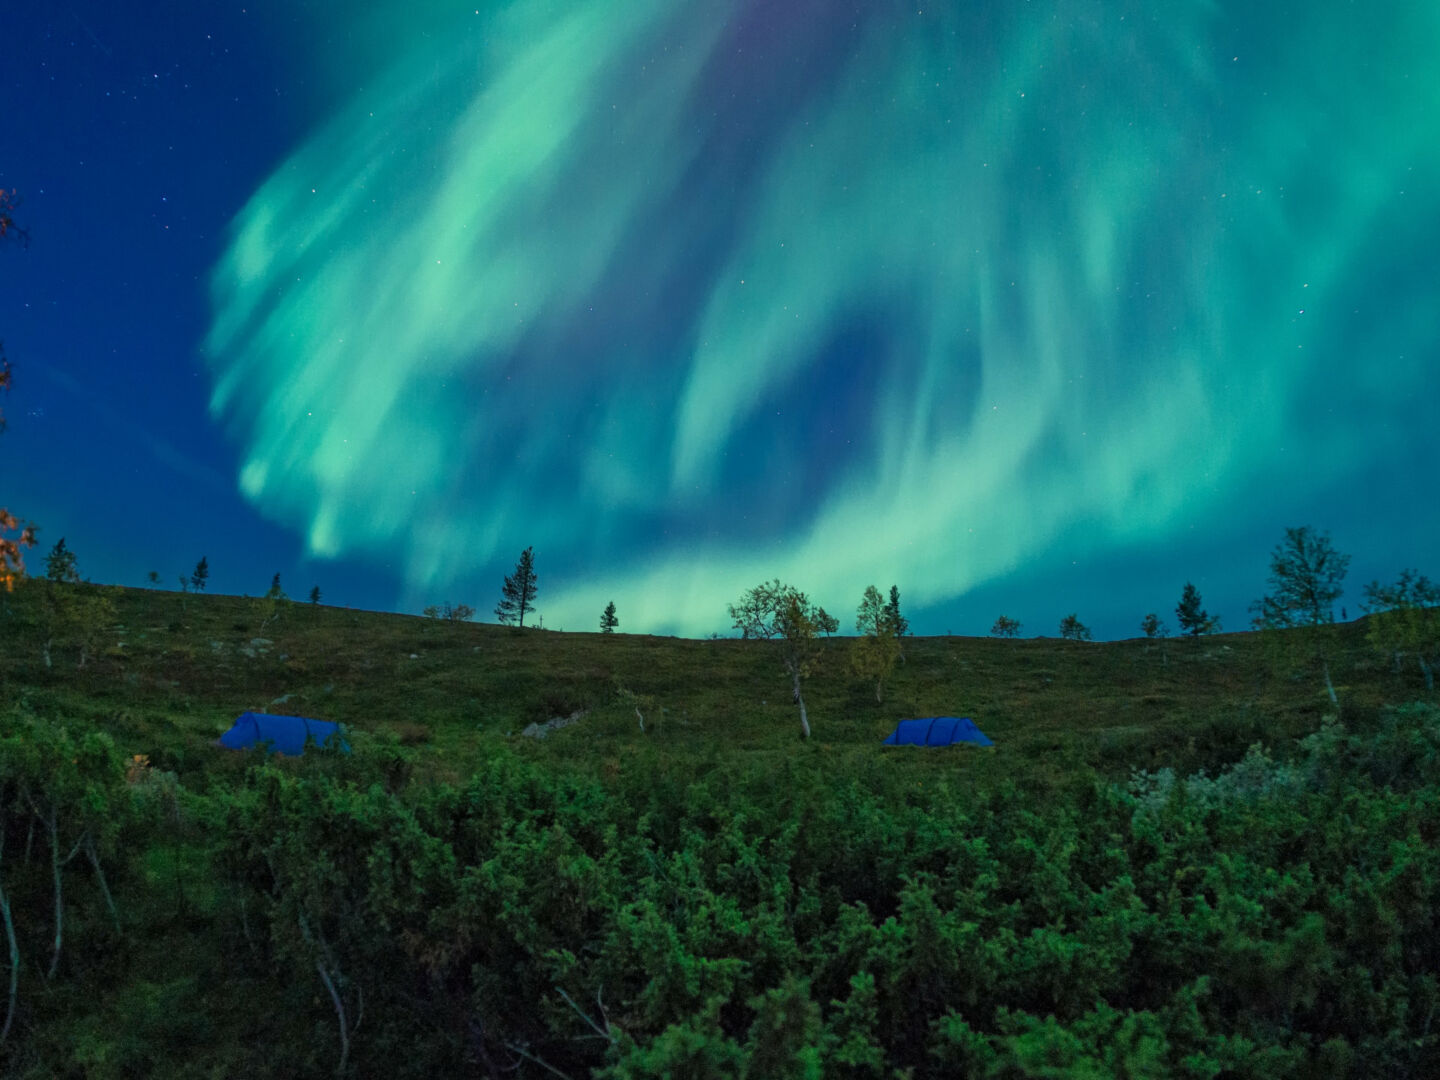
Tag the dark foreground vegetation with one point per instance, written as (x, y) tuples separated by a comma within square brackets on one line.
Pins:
[(1178, 861)]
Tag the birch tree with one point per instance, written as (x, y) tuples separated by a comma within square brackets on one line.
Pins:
[(777, 612), (874, 653), (1306, 578), (1405, 621)]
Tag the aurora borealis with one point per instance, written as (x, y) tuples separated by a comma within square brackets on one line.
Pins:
[(692, 296)]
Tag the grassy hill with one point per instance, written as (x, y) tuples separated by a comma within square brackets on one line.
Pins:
[(712, 897), (180, 668)]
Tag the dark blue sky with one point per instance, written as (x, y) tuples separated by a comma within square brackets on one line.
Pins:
[(1028, 311)]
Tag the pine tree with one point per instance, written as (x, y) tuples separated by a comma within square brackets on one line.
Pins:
[(1156, 630), (60, 564), (608, 619), (273, 604), (201, 575), (826, 622), (518, 595), (899, 625), (315, 595), (1191, 616)]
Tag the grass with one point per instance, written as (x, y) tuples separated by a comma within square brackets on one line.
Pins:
[(181, 667), (178, 669)]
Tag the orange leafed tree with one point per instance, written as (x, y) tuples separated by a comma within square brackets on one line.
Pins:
[(15, 535)]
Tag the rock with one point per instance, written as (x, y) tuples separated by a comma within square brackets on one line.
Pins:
[(282, 699), (260, 642), (539, 731), (414, 656)]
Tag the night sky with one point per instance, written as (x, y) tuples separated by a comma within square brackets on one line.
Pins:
[(1028, 308)]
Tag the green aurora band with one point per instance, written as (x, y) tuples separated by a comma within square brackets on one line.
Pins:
[(691, 296)]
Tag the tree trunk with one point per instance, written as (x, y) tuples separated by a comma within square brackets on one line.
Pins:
[(1427, 671), (1330, 686), (879, 691), (321, 970), (94, 858), (340, 1012), (14, 950), (800, 700), (47, 654), (56, 863), (59, 903)]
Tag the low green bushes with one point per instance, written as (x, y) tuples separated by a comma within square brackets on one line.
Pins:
[(1274, 919)]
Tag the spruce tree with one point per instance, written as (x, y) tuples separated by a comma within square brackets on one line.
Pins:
[(60, 564), (315, 595), (201, 575), (608, 619), (1191, 616), (899, 625), (518, 595)]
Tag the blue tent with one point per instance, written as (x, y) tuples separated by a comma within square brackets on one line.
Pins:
[(937, 731), (284, 734)]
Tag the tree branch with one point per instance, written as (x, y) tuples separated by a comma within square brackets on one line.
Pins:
[(100, 874), (604, 1032), (514, 1049), (14, 948), (330, 988)]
